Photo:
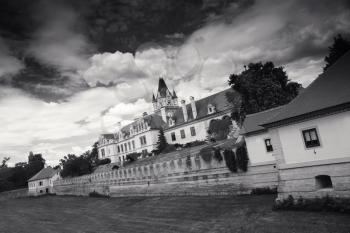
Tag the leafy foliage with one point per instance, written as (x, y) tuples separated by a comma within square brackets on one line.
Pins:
[(132, 157), (262, 86), (220, 128), (75, 166), (339, 47), (4, 162), (17, 177), (207, 153), (316, 204), (242, 157), (230, 160), (217, 155)]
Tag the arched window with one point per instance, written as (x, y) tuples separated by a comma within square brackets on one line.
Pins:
[(323, 182)]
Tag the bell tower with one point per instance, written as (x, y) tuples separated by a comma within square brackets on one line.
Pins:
[(164, 102)]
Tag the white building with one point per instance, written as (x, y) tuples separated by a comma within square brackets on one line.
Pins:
[(258, 139), (181, 124), (42, 182), (310, 137)]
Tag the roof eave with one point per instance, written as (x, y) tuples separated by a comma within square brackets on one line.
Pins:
[(311, 115)]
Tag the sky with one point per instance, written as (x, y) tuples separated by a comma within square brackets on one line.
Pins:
[(71, 70)]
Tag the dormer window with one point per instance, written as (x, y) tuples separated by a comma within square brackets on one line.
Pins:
[(171, 122), (211, 109)]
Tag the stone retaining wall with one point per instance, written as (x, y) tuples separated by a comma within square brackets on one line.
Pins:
[(301, 180), (178, 173)]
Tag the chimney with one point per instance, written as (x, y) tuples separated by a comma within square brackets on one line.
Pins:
[(163, 113), (184, 110), (193, 106)]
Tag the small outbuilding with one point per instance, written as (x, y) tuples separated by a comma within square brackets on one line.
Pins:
[(42, 182)]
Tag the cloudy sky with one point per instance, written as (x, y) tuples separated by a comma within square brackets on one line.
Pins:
[(70, 70)]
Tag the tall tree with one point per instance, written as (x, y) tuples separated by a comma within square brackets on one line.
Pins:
[(4, 162), (162, 142), (339, 47), (262, 86)]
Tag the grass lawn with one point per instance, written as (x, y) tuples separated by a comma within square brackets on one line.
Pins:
[(161, 214)]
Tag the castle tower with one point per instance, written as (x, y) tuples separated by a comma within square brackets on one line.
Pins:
[(165, 101)]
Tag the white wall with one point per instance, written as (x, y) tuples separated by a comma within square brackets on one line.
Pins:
[(111, 150), (201, 128), (333, 132), (257, 149)]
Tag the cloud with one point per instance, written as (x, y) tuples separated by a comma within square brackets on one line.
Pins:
[(30, 124), (58, 41), (9, 64)]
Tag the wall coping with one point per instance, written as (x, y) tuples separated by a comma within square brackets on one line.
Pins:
[(314, 163), (271, 162)]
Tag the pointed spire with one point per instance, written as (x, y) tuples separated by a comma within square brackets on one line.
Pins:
[(153, 98), (162, 88), (174, 94)]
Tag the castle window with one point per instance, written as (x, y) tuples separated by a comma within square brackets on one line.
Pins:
[(323, 182), (173, 136), (311, 138), (268, 145), (40, 183), (125, 147), (129, 144), (182, 132), (143, 140), (118, 149), (193, 131), (133, 144), (103, 153)]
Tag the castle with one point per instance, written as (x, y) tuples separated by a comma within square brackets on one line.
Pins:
[(181, 124)]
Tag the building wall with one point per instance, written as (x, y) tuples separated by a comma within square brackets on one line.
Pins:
[(34, 187), (256, 148), (299, 168), (201, 128), (333, 132), (111, 149), (177, 173)]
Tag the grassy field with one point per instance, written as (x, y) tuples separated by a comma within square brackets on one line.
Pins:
[(161, 214)]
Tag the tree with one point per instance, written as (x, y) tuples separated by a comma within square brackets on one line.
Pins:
[(261, 87), (162, 143), (35, 163), (75, 166), (339, 47), (4, 162)]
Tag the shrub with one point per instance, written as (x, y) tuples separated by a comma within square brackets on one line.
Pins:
[(242, 157), (103, 161), (169, 148), (230, 160), (132, 157), (264, 190), (316, 204), (217, 155), (206, 153), (188, 162), (194, 143), (96, 194), (115, 167)]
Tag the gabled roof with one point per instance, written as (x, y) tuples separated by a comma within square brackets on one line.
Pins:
[(218, 100), (44, 173), (331, 89), (252, 122)]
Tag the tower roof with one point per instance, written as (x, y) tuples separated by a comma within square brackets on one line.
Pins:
[(162, 88), (174, 94)]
